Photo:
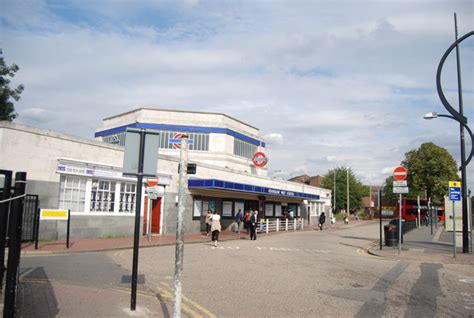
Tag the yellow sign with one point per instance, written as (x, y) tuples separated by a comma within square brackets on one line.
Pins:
[(53, 214), (454, 184)]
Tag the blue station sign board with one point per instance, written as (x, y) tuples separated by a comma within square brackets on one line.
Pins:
[(454, 190)]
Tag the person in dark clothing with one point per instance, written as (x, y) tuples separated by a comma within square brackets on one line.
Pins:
[(322, 220), (253, 224)]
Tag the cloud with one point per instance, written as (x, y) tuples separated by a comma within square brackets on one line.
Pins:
[(273, 138), (347, 89)]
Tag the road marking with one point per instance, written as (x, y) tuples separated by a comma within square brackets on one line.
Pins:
[(365, 251), (467, 280), (194, 304)]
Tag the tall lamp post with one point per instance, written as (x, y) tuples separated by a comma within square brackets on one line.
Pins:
[(459, 117), (464, 163), (434, 115)]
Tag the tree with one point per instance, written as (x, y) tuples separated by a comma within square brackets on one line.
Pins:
[(430, 168), (356, 189), (7, 109)]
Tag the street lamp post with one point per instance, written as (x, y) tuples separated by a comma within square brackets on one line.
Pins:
[(434, 115), (459, 117), (464, 163)]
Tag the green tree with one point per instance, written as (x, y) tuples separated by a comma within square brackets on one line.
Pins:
[(430, 168), (356, 189), (7, 109)]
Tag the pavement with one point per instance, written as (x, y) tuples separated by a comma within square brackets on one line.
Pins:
[(45, 298), (424, 244)]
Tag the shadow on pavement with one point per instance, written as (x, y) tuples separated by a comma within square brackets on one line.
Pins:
[(35, 296)]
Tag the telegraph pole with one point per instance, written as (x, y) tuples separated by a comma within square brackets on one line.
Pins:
[(183, 177)]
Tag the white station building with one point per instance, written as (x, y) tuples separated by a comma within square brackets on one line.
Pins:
[(86, 177)]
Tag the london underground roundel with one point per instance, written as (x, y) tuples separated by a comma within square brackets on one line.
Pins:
[(177, 145), (259, 159)]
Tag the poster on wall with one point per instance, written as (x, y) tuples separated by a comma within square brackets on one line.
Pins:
[(269, 209), (239, 206), (197, 208), (277, 210), (212, 206), (227, 208)]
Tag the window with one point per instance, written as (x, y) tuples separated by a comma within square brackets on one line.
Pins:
[(72, 193), (244, 149), (197, 211), (268, 209), (102, 196), (200, 141), (227, 208), (127, 198)]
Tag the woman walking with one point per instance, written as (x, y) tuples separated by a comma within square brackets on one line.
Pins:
[(215, 228), (208, 221)]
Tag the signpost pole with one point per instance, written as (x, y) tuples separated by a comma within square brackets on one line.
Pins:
[(419, 213), (136, 237), (68, 227), (400, 225), (183, 176), (454, 231), (380, 216), (430, 210)]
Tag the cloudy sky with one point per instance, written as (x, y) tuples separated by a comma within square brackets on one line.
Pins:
[(329, 83)]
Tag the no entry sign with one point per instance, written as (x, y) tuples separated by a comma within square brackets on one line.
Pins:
[(400, 173)]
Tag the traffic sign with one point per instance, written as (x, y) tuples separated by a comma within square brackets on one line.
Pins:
[(400, 190), (176, 140), (454, 184), (400, 173), (402, 183)]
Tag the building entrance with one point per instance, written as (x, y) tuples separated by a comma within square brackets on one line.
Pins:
[(155, 216)]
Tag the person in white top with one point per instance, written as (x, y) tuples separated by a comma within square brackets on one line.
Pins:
[(215, 228)]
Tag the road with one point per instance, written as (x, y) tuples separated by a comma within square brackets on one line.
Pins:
[(296, 274)]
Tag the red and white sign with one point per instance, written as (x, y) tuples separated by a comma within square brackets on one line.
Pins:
[(259, 159), (152, 182), (400, 173), (177, 145)]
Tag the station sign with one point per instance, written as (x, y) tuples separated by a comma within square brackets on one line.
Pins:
[(454, 190), (259, 159)]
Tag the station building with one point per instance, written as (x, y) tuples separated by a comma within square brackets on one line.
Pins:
[(85, 175)]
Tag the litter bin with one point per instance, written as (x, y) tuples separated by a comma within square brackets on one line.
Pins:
[(391, 235)]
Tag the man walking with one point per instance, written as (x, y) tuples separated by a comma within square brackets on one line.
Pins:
[(322, 220), (253, 225)]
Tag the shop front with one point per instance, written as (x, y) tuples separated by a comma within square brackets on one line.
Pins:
[(228, 198)]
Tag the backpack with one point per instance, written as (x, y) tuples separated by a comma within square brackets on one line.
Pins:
[(247, 217)]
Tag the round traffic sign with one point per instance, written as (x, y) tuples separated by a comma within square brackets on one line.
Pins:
[(400, 173), (259, 159), (177, 145)]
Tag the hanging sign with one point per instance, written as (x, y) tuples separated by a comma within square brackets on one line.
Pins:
[(259, 159)]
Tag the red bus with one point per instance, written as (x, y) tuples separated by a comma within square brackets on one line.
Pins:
[(410, 209)]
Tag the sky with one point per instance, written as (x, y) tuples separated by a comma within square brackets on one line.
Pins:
[(328, 83)]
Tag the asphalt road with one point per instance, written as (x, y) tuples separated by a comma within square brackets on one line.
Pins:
[(296, 274)]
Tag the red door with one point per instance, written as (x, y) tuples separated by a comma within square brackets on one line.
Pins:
[(155, 216)]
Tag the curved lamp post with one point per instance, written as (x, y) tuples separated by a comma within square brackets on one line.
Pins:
[(434, 115), (459, 117)]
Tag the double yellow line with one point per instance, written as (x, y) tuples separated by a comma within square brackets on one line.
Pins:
[(190, 307), (365, 251)]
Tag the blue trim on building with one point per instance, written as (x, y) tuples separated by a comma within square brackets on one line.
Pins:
[(215, 130), (234, 186)]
